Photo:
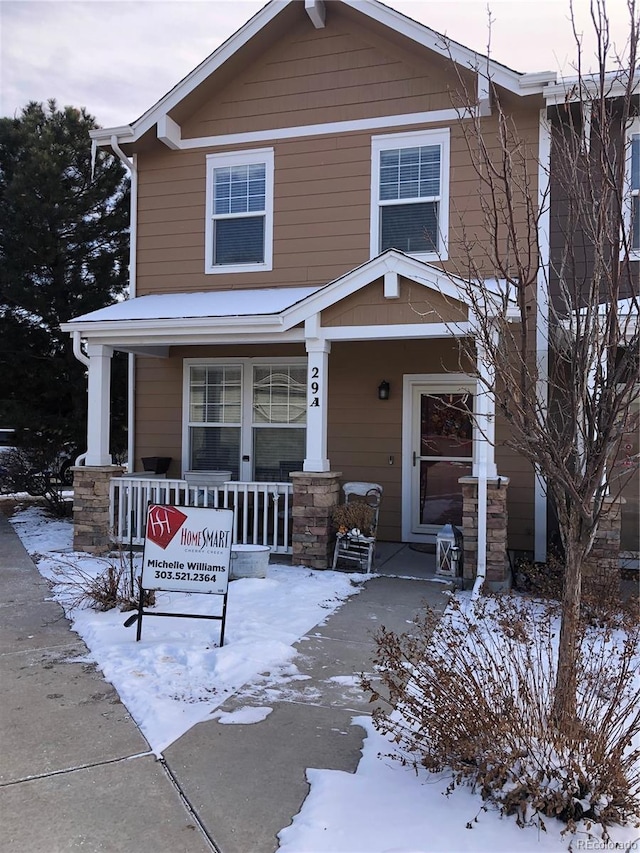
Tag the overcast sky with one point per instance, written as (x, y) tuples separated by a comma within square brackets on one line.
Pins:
[(118, 57)]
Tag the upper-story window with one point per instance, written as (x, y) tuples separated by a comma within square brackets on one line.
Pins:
[(410, 193), (239, 203)]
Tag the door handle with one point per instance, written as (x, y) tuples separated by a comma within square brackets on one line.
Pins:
[(414, 458)]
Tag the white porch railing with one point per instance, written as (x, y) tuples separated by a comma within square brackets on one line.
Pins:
[(262, 511)]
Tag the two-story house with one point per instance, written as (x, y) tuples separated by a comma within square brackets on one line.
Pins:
[(299, 209)]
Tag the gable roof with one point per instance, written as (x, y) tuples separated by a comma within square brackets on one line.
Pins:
[(487, 69)]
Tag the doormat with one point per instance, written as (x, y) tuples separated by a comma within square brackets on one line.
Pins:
[(423, 549)]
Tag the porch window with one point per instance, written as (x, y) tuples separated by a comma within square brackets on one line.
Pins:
[(239, 211), (247, 417), (410, 209), (215, 418), (279, 418)]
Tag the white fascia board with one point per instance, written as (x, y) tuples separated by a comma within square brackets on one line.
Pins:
[(574, 89), (400, 331), (152, 341), (102, 135), (438, 43), (160, 327), (536, 81), (327, 128)]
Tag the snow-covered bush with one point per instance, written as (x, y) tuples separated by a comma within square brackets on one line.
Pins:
[(473, 692)]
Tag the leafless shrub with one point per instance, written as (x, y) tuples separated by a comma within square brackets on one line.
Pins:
[(110, 588), (474, 693), (355, 514)]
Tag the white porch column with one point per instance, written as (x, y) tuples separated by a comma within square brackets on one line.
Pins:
[(99, 405), (484, 463), (317, 382)]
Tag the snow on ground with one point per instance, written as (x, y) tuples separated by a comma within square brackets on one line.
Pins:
[(177, 676)]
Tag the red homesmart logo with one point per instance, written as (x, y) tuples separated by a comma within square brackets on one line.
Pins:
[(163, 522)]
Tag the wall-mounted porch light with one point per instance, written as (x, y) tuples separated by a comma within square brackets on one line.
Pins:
[(383, 390)]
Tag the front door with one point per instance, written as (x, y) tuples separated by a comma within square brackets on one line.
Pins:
[(441, 452)]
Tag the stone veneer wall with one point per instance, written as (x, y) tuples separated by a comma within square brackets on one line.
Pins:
[(314, 497), (498, 573), (91, 507)]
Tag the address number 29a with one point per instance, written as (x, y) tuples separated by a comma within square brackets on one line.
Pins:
[(314, 387)]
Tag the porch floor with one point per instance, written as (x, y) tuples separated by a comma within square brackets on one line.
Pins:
[(401, 560)]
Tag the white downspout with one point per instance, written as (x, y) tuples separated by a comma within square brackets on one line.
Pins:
[(486, 409), (542, 325), (131, 165), (83, 359), (481, 563)]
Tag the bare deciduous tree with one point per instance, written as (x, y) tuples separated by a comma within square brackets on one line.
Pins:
[(561, 353)]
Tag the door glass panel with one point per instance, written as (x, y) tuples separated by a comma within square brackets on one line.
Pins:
[(445, 454), (446, 427), (440, 492)]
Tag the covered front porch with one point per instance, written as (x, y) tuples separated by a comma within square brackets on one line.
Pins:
[(296, 372)]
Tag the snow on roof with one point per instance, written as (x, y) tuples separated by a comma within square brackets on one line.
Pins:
[(220, 303)]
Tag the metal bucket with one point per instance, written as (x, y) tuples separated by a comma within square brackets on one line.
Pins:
[(249, 561)]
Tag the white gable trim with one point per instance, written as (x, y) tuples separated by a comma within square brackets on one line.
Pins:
[(422, 35), (171, 135), (390, 261)]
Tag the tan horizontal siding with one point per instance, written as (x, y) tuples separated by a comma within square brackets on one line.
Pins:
[(341, 72)]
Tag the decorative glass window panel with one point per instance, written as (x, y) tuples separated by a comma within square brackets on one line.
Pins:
[(279, 418), (279, 394)]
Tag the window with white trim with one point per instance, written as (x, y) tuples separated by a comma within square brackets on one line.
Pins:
[(410, 193), (247, 417), (239, 205), (635, 189)]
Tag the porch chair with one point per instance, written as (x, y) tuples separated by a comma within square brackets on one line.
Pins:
[(352, 545)]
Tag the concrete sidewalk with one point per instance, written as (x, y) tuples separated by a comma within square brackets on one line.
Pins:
[(76, 773)]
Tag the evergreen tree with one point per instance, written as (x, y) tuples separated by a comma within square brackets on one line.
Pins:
[(63, 252)]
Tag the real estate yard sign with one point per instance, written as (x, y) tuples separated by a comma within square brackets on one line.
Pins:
[(187, 549)]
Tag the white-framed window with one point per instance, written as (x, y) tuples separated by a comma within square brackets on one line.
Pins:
[(239, 211), (247, 416), (633, 160), (410, 193)]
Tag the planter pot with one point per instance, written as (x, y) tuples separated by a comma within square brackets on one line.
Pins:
[(156, 464), (249, 561)]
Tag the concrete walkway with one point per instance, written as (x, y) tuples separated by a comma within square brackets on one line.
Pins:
[(76, 773)]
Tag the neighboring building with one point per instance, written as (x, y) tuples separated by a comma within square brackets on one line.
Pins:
[(300, 202)]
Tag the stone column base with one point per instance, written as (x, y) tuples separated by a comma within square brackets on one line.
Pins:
[(314, 497), (498, 572), (91, 531), (601, 570)]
